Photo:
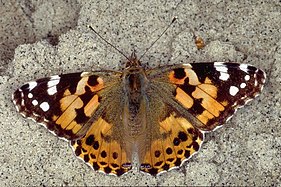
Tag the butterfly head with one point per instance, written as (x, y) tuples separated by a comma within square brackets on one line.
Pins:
[(133, 61)]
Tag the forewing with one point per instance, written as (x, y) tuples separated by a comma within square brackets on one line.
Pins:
[(212, 92), (64, 104)]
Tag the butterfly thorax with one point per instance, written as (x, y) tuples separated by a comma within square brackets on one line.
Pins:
[(134, 88)]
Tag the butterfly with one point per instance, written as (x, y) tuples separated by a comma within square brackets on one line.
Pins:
[(159, 113)]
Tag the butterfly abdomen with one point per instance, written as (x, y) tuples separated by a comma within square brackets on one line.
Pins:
[(135, 84)]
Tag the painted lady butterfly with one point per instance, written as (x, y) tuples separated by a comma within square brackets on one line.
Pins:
[(160, 113)]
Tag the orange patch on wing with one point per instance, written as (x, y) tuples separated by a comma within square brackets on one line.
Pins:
[(80, 89), (224, 103), (150, 157), (209, 89), (192, 77), (205, 117), (100, 126), (175, 80), (83, 83), (184, 98), (177, 143), (54, 117), (69, 114), (208, 102), (184, 123), (104, 151), (75, 127), (71, 125), (97, 87), (66, 93), (208, 81), (67, 101), (91, 106)]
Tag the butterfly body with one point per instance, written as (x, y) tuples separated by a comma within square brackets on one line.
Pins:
[(161, 113)]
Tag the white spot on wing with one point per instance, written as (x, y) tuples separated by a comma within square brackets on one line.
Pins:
[(233, 90), (224, 76), (247, 77), (34, 102), (52, 90), (30, 95), (188, 65), (55, 77), (52, 83), (31, 85), (23, 114), (221, 68), (22, 102), (218, 63), (242, 85), (84, 74), (256, 82), (44, 106), (244, 67)]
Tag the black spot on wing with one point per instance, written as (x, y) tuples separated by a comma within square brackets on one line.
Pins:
[(176, 141), (182, 136), (169, 151), (197, 107), (195, 146), (158, 163), (187, 88), (87, 96), (179, 73), (78, 150), (153, 171), (107, 169), (96, 145), (92, 81), (166, 166), (157, 153), (90, 140), (115, 155), (86, 158), (187, 153), (103, 154), (204, 70), (81, 116), (96, 166), (69, 81), (114, 165), (180, 152)]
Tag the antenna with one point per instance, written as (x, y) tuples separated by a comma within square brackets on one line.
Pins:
[(173, 20), (108, 42)]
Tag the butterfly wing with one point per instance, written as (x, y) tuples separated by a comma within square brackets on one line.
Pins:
[(103, 148), (62, 103), (189, 100), (212, 92), (77, 107)]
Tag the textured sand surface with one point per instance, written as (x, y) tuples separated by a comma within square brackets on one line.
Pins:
[(246, 151)]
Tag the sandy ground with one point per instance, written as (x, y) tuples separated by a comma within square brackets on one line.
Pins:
[(246, 151)]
